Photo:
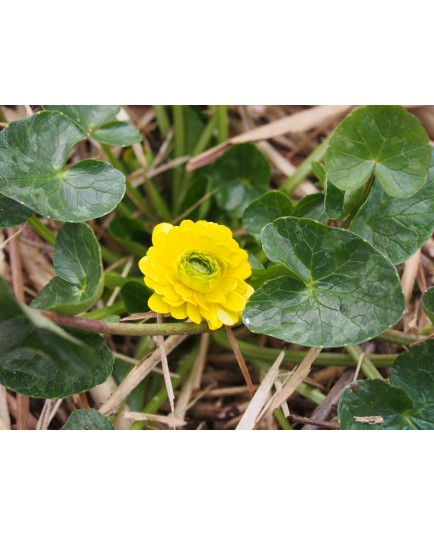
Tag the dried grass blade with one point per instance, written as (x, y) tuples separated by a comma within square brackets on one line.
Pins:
[(5, 420), (169, 420), (298, 122), (291, 385), (165, 365), (138, 373), (248, 420)]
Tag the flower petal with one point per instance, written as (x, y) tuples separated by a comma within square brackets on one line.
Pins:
[(157, 304)]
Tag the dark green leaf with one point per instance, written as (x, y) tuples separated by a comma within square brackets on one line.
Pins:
[(343, 292), (88, 118), (428, 303), (373, 398), (39, 359), (264, 210), (254, 262), (87, 419), (339, 203), (198, 189), (78, 265), (407, 404), (136, 296), (385, 140), (132, 234), (33, 153), (118, 133), (261, 275), (397, 227), (311, 207), (12, 213), (241, 175), (194, 123)]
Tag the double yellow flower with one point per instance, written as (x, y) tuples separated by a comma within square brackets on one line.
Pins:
[(197, 271)]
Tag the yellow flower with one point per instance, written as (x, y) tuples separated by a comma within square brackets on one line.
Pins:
[(197, 271)]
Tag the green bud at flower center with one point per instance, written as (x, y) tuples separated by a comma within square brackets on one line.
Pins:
[(199, 271)]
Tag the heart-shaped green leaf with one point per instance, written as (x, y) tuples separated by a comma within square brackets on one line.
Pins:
[(397, 227), (117, 133), (78, 265), (387, 141), (33, 153), (344, 291), (39, 359), (339, 203), (88, 118), (264, 210), (98, 122), (135, 297), (406, 404), (87, 419), (12, 213), (311, 207), (241, 175), (428, 303)]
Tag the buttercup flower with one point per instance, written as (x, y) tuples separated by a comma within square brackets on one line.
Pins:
[(197, 271)]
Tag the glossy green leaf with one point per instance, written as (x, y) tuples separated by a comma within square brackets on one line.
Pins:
[(78, 265), (397, 227), (428, 303), (33, 153), (39, 359), (339, 203), (118, 133), (98, 122), (87, 419), (241, 175), (311, 207), (12, 213), (132, 234), (343, 292), (261, 275), (264, 210), (88, 118), (135, 297), (387, 141), (199, 188), (406, 404)]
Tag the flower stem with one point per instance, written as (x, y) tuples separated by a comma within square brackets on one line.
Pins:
[(254, 351), (129, 329), (303, 170), (368, 368), (396, 337), (41, 230)]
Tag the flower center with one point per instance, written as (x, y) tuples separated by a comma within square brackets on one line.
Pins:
[(199, 271)]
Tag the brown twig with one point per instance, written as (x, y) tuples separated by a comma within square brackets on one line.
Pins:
[(239, 357), (328, 425)]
